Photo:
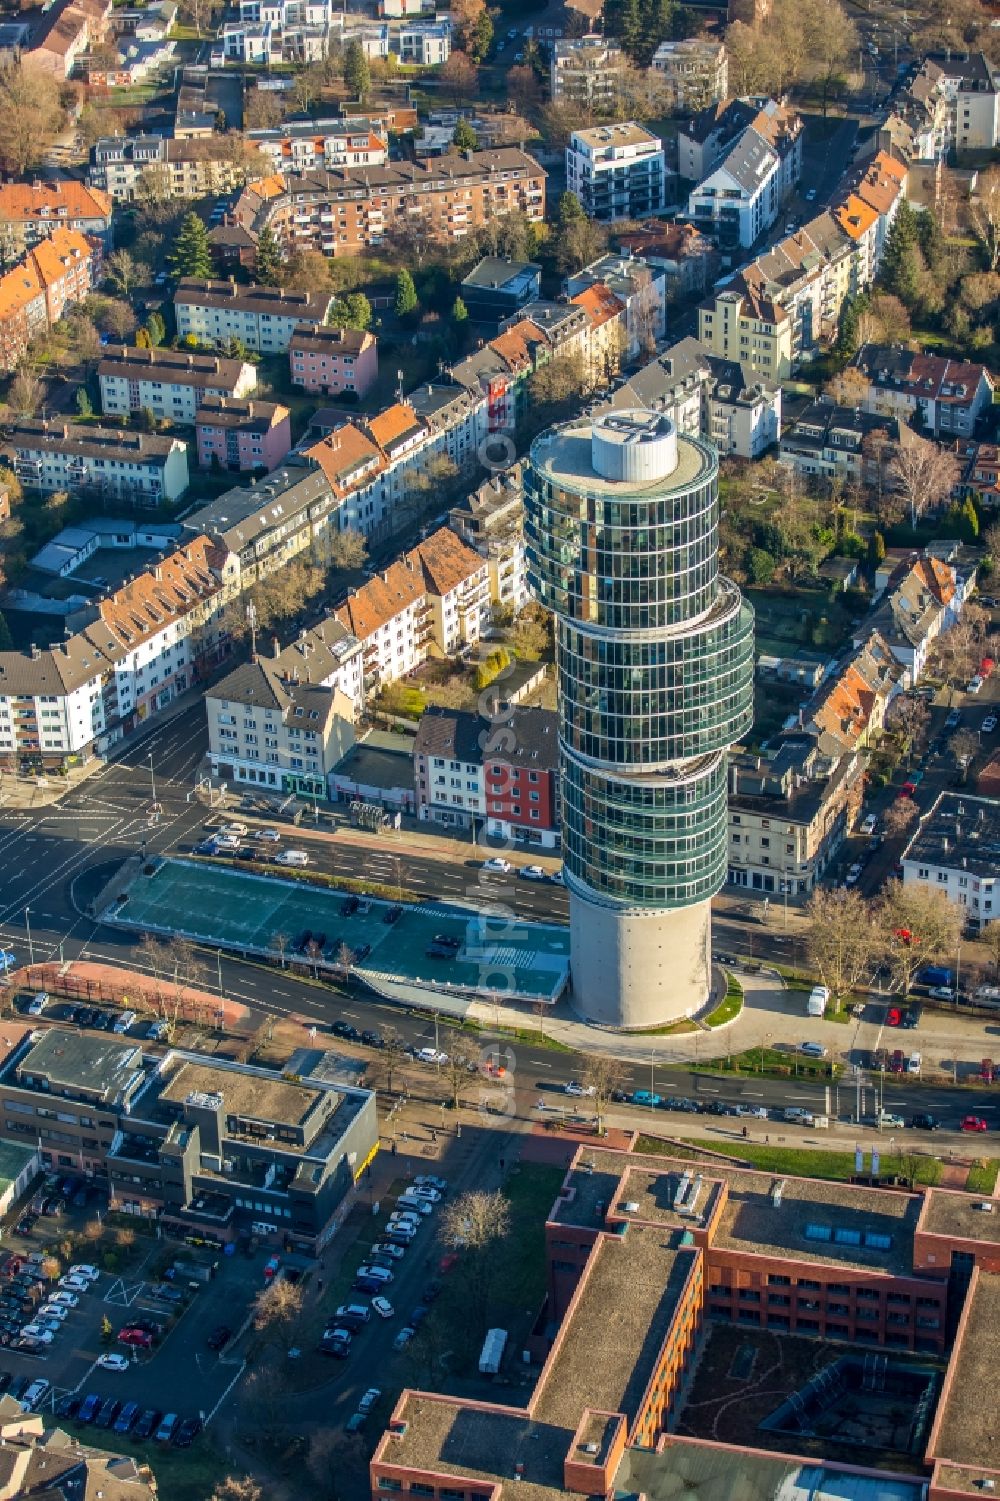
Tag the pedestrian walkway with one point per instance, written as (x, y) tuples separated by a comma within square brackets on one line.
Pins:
[(88, 980)]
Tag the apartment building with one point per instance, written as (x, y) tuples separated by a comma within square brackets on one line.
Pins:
[(689, 259), (143, 469), (846, 714), (265, 45), (951, 103), (617, 171), (954, 850), (707, 395), (170, 382), (272, 724), (259, 526), (431, 602), (44, 1465), (353, 209), (739, 324), (242, 433), (457, 421), (201, 1147), (329, 361), (607, 331), (980, 475), (923, 597), (740, 198), (695, 72), (641, 285), (353, 469), (708, 138), (657, 1269), (63, 33), (304, 145), (260, 318), (503, 770), (947, 396), (55, 273), (491, 521), (843, 442), (30, 211), (586, 70), (178, 167), (125, 658)]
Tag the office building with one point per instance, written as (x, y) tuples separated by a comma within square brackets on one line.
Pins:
[(655, 659)]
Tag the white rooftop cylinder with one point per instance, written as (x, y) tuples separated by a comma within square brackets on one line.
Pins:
[(634, 446)]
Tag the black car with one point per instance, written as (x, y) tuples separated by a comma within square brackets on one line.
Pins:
[(85, 1016), (107, 1413), (147, 1424), (301, 941), (68, 1406), (448, 941), (247, 852), (345, 1029), (912, 1015), (438, 951), (187, 1433), (373, 1039), (418, 1315), (350, 906), (128, 1417), (219, 1337), (717, 1107), (26, 1224), (89, 1408), (393, 914), (100, 1020), (925, 1122), (5, 1380), (319, 940)]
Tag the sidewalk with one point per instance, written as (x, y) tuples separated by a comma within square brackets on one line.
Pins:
[(88, 980)]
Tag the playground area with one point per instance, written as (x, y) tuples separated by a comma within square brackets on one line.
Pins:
[(484, 954)]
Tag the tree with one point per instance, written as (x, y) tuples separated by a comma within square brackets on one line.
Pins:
[(84, 405), (461, 1068), (760, 567), (884, 319), (523, 89), (476, 1222), (606, 1077), (262, 110), (117, 318), (156, 330), (267, 261), (579, 239), (357, 74), (916, 923), (991, 542), (833, 42), (531, 635), (307, 271), (990, 937), (460, 314), (122, 271), (840, 938), (481, 39), (352, 311), (963, 746), (277, 1309), (955, 652), (407, 302), (25, 394), (191, 255), (30, 115), (391, 1056), (459, 77), (346, 550), (908, 715), (237, 1488), (902, 261), (899, 817), (924, 474), (984, 211), (465, 17), (465, 137)]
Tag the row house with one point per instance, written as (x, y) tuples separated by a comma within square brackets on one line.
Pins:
[(500, 371), (923, 597), (431, 602), (606, 331), (262, 319), (172, 383), (263, 44), (303, 146), (502, 768), (951, 103), (57, 272), (456, 418), (839, 442), (946, 396), (980, 472), (124, 659), (350, 210), (353, 468), (143, 469), (242, 433), (708, 396), (641, 285), (688, 258), (263, 524), (490, 519), (30, 211), (330, 361), (424, 43), (188, 167), (847, 712)]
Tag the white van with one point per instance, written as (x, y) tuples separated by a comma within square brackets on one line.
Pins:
[(913, 1063), (298, 858), (816, 1004)]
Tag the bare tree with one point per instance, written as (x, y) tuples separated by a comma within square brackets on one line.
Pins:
[(462, 1067), (991, 542), (345, 957), (990, 938), (899, 817), (392, 1053), (963, 746), (25, 394), (916, 923), (277, 1310), (840, 939), (954, 654), (908, 716), (476, 1222), (924, 475), (984, 211), (237, 1488), (606, 1077)]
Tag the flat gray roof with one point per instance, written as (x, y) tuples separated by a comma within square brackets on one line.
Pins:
[(81, 1060), (959, 1214)]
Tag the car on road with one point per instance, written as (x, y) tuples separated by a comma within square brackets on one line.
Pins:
[(989, 724), (531, 873), (894, 1016), (869, 825), (941, 993), (112, 1362), (430, 1055), (854, 874), (954, 720), (813, 1049), (973, 1123), (796, 1116), (648, 1098), (219, 1337), (924, 1121), (403, 1337), (752, 1112), (497, 865), (578, 1090), (974, 684)]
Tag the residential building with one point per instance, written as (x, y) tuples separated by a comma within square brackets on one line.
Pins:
[(29, 212), (491, 520), (924, 597), (641, 286), (586, 70), (242, 433), (353, 469), (202, 1147), (742, 325), (498, 288), (503, 768), (946, 396), (400, 436), (258, 527), (980, 476), (262, 44), (303, 145), (656, 1269), (741, 197), (688, 258), (63, 33), (54, 1464), (607, 331), (126, 658), (144, 469), (427, 44), (432, 601), (55, 273), (708, 396), (260, 318), (843, 442), (64, 553), (695, 72), (617, 171), (171, 382), (567, 327), (951, 103), (282, 722), (352, 209), (846, 713), (954, 850), (709, 137), (789, 814), (457, 421), (330, 361), (186, 167)]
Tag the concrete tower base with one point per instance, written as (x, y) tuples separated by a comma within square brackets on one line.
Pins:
[(634, 968)]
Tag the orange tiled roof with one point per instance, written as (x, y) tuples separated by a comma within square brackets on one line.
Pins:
[(54, 256), (25, 200), (395, 422), (436, 566), (18, 288), (937, 577), (599, 303), (268, 187), (446, 560), (516, 343), (855, 217), (890, 166), (164, 593), (342, 454)]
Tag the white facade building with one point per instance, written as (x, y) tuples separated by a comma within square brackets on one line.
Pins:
[(954, 851), (617, 171), (263, 319), (169, 382)]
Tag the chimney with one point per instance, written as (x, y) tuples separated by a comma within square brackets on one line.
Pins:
[(275, 646)]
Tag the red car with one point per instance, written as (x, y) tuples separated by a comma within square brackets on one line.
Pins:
[(894, 1016), (973, 1123), (11, 1266), (140, 1339), (986, 667)]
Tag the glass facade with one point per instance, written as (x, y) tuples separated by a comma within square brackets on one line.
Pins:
[(655, 659)]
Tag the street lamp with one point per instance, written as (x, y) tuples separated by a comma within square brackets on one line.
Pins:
[(27, 924), (152, 781)]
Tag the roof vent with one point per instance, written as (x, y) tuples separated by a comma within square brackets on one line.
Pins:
[(630, 1208), (985, 1206), (776, 1193)]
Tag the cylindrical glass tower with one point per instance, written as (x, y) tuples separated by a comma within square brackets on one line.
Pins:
[(655, 659)]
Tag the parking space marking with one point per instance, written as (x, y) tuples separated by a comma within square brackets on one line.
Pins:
[(122, 1296)]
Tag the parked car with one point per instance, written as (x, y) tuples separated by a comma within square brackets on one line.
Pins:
[(84, 1269), (148, 1423), (65, 1299), (169, 1424), (38, 1004), (973, 1123), (974, 684), (924, 1121), (403, 1337), (137, 1339), (813, 1049), (35, 1393), (430, 1055), (989, 724), (89, 1407), (383, 1307), (647, 1098), (187, 1433), (369, 1399), (911, 1016), (391, 1252), (894, 1016), (869, 824), (128, 1417), (107, 1413), (578, 1090)]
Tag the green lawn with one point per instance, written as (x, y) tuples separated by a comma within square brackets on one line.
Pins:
[(774, 1062), (729, 1007), (982, 1177), (800, 1162)]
